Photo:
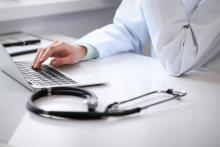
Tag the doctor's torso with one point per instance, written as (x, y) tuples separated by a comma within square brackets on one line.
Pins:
[(214, 63), (195, 11)]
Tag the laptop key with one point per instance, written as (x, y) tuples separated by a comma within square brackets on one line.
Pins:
[(47, 76)]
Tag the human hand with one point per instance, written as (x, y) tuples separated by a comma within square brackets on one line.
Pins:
[(62, 54)]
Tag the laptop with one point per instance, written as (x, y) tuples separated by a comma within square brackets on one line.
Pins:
[(46, 77)]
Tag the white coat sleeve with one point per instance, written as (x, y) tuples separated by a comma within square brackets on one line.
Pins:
[(128, 32), (182, 43)]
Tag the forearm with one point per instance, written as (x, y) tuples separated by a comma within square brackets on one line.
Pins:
[(125, 34)]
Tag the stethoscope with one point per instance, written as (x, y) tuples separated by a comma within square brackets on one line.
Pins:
[(112, 110)]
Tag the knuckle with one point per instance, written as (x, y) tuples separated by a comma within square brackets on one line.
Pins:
[(55, 42), (51, 48), (42, 49), (61, 43)]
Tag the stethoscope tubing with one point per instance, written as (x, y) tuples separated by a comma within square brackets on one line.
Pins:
[(92, 102)]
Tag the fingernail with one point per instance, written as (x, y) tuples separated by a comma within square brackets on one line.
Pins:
[(54, 62), (35, 66)]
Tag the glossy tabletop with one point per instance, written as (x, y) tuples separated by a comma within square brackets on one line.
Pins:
[(193, 121)]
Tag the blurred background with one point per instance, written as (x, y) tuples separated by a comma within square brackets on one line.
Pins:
[(68, 17)]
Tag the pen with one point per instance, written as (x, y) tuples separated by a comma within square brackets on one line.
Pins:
[(30, 42), (23, 52), (22, 43)]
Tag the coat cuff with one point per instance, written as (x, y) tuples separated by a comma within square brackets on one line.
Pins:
[(91, 51)]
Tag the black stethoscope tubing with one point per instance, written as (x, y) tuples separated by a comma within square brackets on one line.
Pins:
[(92, 103)]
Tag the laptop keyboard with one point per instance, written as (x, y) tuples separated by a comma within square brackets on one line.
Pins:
[(46, 76)]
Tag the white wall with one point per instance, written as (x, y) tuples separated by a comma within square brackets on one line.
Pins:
[(73, 24)]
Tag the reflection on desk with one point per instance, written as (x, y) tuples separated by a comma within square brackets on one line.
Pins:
[(191, 122)]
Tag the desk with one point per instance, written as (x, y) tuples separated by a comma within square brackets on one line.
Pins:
[(194, 121)]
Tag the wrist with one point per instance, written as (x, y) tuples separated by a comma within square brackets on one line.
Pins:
[(83, 50), (90, 52)]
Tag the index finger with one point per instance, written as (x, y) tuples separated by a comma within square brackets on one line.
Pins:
[(36, 57), (37, 64)]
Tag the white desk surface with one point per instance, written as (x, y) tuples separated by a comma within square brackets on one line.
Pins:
[(192, 122)]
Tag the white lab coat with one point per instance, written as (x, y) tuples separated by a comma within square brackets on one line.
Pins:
[(185, 33)]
